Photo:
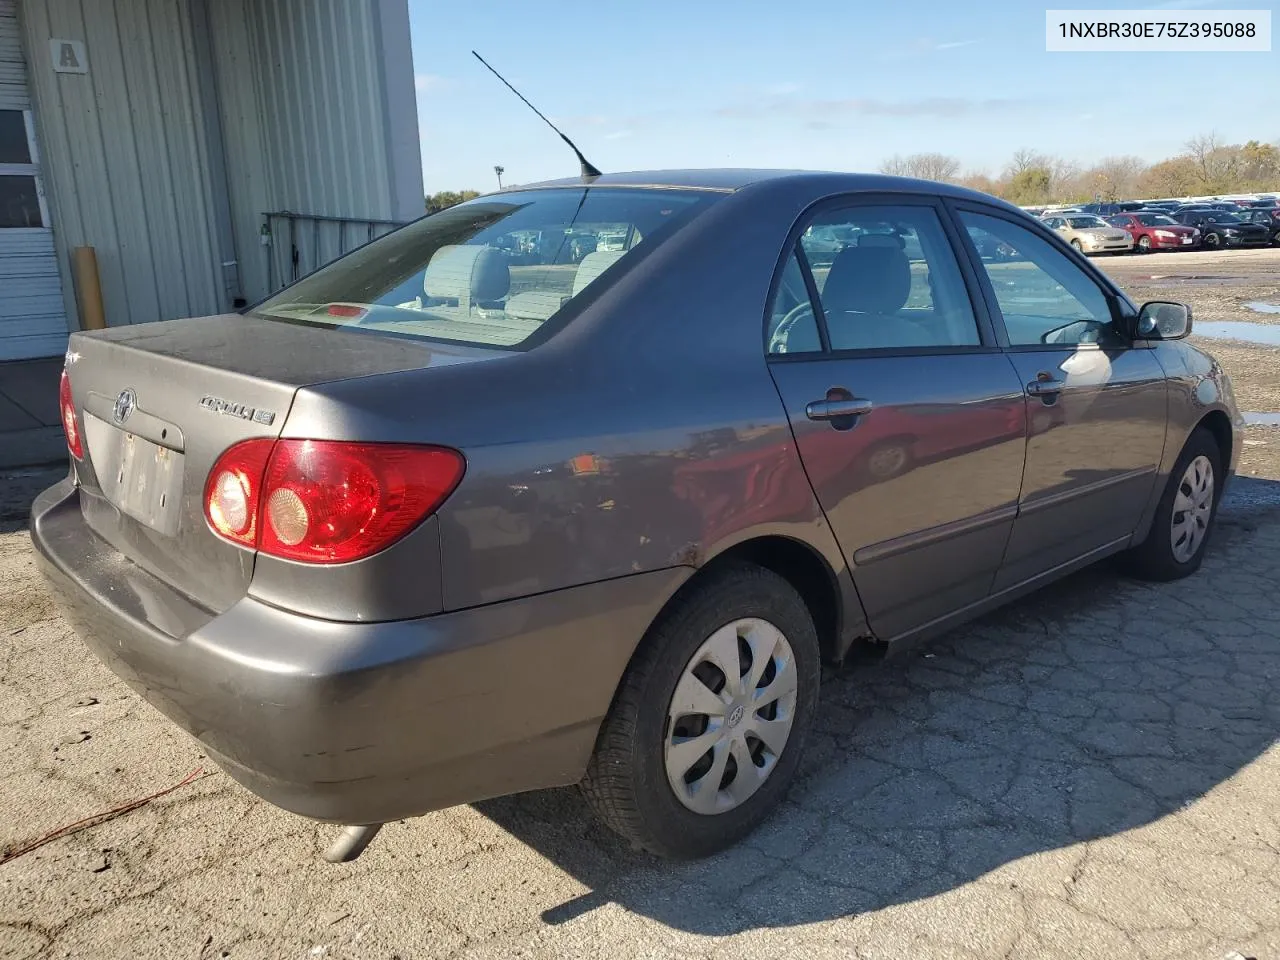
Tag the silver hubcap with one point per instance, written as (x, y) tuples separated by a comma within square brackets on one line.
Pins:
[(730, 716), (1192, 508)]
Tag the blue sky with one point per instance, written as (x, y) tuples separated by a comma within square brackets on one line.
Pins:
[(821, 85)]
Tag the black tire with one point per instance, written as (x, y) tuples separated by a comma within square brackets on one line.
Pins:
[(1154, 559), (1079, 247), (1144, 244), (1212, 240), (626, 781)]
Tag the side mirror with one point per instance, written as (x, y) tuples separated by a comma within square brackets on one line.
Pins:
[(1163, 320)]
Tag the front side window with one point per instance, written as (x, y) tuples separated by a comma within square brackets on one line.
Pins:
[(1044, 297), (489, 272), (887, 278)]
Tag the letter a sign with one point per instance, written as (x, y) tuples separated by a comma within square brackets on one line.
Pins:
[(68, 56)]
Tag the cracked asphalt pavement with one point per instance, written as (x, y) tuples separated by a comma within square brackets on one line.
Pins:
[(1091, 772)]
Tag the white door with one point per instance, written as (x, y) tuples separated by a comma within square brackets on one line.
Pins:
[(33, 320)]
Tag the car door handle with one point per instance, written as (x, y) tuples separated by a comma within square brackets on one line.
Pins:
[(1045, 388), (834, 409)]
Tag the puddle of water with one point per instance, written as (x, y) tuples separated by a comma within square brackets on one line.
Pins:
[(1267, 334), (1262, 419), (1257, 306)]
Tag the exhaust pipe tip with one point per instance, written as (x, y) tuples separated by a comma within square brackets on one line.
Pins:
[(350, 843)]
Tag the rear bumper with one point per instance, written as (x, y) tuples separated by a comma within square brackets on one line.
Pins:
[(358, 722)]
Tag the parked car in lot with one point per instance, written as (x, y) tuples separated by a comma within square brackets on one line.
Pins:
[(1268, 217), (1219, 228), (385, 554), (1156, 231), (1113, 207), (1089, 233)]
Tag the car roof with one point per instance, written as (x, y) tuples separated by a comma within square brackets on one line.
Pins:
[(733, 179)]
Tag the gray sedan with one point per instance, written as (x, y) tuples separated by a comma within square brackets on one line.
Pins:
[(436, 524)]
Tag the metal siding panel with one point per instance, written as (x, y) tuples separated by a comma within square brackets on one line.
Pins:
[(247, 149), (74, 105), (55, 160), (13, 69), (194, 260), (129, 192), (207, 293)]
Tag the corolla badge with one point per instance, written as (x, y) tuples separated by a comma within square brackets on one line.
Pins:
[(126, 403), (241, 410)]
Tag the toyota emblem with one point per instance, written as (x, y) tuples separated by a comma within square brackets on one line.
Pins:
[(125, 404)]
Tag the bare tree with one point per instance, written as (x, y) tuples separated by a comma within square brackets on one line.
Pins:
[(896, 166), (924, 166), (1027, 159), (1201, 148)]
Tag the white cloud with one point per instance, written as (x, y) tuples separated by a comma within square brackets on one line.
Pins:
[(430, 83), (617, 135), (954, 45), (782, 89)]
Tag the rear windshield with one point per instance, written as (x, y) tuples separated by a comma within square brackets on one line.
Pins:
[(494, 271)]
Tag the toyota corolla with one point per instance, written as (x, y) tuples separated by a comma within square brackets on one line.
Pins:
[(438, 522)]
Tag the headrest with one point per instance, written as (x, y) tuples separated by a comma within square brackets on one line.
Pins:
[(594, 264), (467, 273), (874, 279)]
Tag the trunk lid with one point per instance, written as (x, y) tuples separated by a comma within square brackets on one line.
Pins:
[(160, 402)]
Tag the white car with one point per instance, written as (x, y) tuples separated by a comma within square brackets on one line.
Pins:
[(1089, 233)]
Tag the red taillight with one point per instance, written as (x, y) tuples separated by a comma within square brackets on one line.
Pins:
[(233, 492), (345, 310), (70, 425), (326, 501)]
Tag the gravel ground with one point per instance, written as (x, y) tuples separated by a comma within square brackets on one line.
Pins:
[(1091, 772)]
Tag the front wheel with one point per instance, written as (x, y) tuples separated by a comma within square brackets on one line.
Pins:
[(1079, 247), (707, 727), (1212, 240), (1144, 244), (1175, 545)]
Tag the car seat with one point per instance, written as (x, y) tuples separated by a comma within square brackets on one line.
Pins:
[(466, 275), (865, 289)]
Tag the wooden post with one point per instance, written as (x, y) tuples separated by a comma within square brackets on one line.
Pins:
[(88, 288)]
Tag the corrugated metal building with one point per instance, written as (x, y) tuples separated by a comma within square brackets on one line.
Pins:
[(163, 132)]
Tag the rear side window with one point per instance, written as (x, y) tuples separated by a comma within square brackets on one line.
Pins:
[(887, 278), (491, 272)]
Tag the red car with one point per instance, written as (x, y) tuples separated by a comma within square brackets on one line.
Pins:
[(1156, 231)]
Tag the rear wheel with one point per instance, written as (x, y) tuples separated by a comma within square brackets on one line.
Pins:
[(1184, 517), (707, 727)]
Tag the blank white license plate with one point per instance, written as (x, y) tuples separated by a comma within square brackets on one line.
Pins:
[(1186, 239), (143, 479)]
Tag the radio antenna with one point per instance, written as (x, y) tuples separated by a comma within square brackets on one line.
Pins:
[(588, 170)]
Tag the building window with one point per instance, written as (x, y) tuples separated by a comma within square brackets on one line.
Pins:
[(14, 147), (20, 201)]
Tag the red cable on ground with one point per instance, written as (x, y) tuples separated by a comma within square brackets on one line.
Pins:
[(13, 853)]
